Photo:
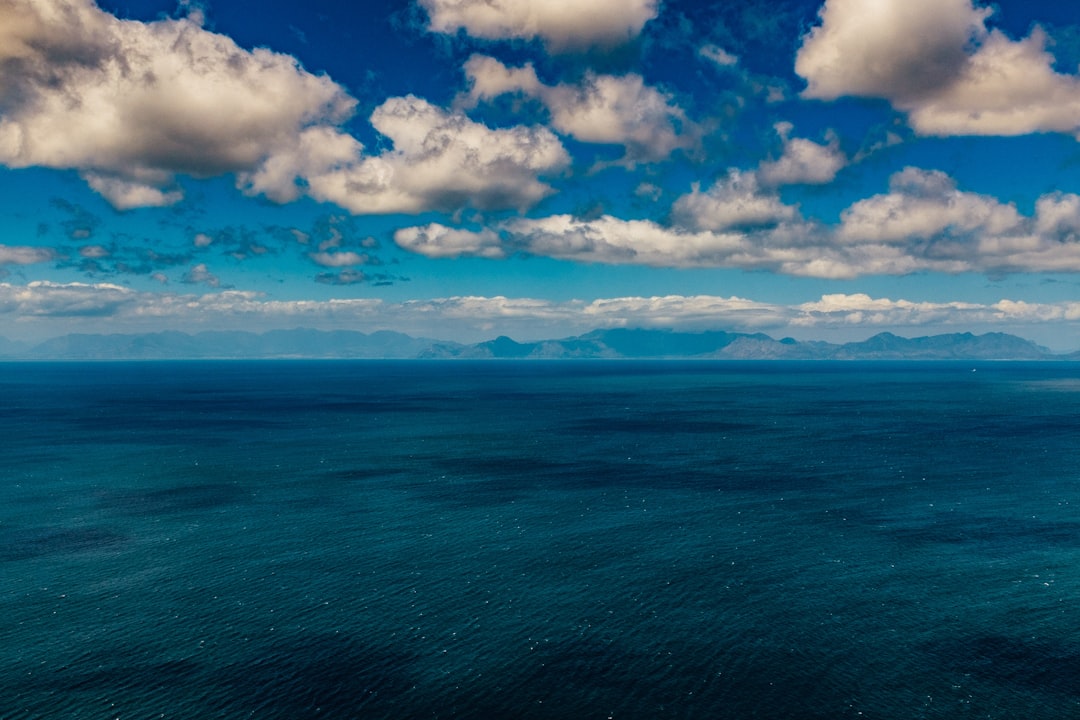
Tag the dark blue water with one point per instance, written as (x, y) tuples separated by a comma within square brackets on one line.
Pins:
[(539, 540)]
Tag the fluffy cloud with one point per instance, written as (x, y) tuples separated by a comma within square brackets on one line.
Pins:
[(562, 24), (439, 241), (440, 161), (201, 275), (737, 201), (620, 110), (924, 223), (925, 205), (936, 226), (937, 61), (615, 241), (132, 105), (803, 161)]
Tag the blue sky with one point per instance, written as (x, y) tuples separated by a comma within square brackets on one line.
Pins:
[(538, 168)]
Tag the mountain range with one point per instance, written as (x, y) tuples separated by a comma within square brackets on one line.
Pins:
[(610, 344)]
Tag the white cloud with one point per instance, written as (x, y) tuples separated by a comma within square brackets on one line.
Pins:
[(737, 201), (200, 275), (338, 259), (861, 309), (803, 161), (937, 61), (932, 225), (25, 255), (439, 241), (440, 161), (48, 299), (614, 241), (620, 110), (718, 55), (924, 223), (562, 24), (132, 105), (44, 307), (926, 205)]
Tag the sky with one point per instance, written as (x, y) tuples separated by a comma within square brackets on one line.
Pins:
[(461, 169)]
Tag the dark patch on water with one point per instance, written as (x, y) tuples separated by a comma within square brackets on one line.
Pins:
[(324, 675), (102, 673), (47, 541), (659, 423), (361, 474), (1045, 665), (998, 534), (176, 499)]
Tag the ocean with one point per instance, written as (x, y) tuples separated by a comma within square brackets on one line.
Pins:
[(292, 539)]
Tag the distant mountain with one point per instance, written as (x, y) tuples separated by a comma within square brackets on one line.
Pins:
[(641, 343), (598, 344), (299, 343), (12, 348)]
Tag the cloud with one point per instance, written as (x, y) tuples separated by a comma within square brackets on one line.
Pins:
[(438, 241), (619, 110), (737, 201), (200, 275), (345, 277), (560, 24), (133, 105), (937, 61), (339, 259), (25, 255), (94, 251), (924, 223), (803, 161), (925, 205), (62, 300), (105, 307), (440, 160), (718, 55)]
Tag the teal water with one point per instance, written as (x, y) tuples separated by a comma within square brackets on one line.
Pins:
[(539, 540)]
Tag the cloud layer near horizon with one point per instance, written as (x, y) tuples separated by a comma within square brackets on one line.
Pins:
[(81, 305)]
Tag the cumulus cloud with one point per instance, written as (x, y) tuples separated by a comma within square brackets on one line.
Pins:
[(937, 61), (611, 109), (803, 161), (200, 275), (439, 241), (132, 105), (924, 223), (440, 160), (737, 201), (562, 25), (925, 205), (927, 220)]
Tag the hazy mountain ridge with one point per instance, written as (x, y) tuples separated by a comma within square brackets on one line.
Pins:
[(618, 343)]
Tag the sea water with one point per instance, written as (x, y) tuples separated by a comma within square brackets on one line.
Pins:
[(539, 540)]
